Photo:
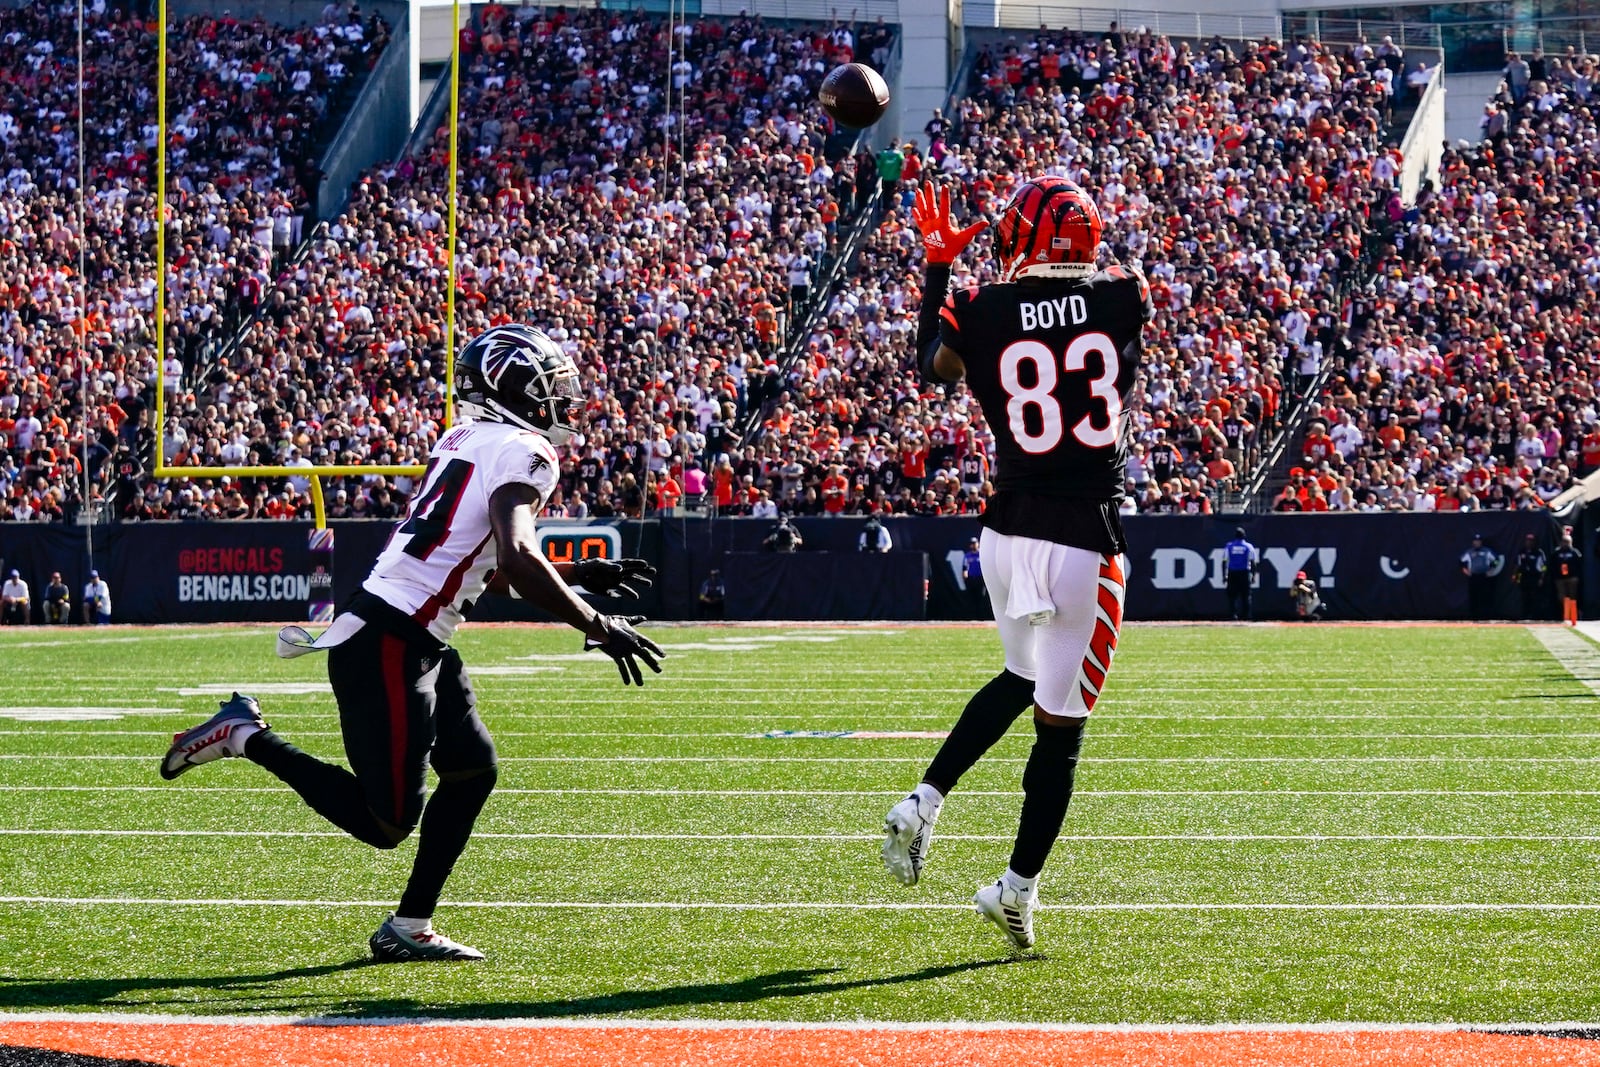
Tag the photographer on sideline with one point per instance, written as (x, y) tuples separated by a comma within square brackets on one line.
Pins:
[(875, 537)]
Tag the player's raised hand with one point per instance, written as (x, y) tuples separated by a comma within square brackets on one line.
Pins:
[(623, 577), (942, 242), (616, 637)]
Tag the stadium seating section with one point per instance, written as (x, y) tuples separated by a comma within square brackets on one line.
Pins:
[(669, 222)]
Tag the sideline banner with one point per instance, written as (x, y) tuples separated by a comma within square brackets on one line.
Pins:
[(1366, 566)]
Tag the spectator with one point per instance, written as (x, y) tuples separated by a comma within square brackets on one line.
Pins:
[(1481, 564), (57, 601), (14, 601), (96, 601)]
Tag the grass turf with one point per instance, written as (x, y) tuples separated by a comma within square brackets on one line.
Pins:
[(1230, 766)]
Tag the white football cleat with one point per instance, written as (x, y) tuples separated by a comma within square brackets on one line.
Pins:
[(393, 945), (220, 737), (1010, 909), (908, 834)]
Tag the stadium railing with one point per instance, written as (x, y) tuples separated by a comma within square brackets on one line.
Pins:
[(377, 123), (1002, 14), (430, 117), (816, 308)]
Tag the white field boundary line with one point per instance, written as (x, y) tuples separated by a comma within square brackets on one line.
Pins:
[(1578, 657), (283, 790), (142, 638), (1092, 760), (819, 905), (849, 838), (712, 1025)]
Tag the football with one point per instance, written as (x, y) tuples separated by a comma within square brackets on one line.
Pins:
[(855, 95)]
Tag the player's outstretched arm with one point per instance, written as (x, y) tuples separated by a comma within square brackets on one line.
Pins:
[(942, 242), (512, 510)]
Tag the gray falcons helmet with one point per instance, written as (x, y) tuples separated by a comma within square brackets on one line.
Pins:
[(518, 375)]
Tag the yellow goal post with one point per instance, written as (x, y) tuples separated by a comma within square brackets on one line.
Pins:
[(316, 472)]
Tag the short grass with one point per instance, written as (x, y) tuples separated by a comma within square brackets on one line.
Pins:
[(1225, 766)]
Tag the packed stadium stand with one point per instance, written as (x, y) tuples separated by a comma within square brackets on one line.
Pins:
[(249, 119), (1476, 391), (673, 211)]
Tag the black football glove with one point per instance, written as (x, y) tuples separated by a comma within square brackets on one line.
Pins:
[(616, 637), (624, 577)]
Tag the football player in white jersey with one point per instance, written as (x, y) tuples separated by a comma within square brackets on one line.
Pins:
[(405, 702)]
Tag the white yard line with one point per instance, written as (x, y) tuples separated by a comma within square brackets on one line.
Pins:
[(875, 733), (897, 793), (144, 637), (819, 905), (852, 838), (53, 757), (851, 1025)]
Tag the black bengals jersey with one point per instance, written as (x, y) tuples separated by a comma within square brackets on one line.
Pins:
[(1052, 363)]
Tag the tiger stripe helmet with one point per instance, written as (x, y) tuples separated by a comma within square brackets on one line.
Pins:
[(1049, 228)]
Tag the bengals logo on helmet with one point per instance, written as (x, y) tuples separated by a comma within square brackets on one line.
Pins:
[(1049, 228)]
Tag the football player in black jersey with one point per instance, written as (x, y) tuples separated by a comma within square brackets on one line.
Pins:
[(1050, 352)]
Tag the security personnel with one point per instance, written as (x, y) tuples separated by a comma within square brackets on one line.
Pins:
[(1242, 561), (972, 572), (1529, 576), (1567, 565), (1481, 564)]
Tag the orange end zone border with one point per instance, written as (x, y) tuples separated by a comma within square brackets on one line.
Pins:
[(249, 1043)]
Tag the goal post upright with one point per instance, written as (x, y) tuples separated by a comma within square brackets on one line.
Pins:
[(450, 228), (162, 469)]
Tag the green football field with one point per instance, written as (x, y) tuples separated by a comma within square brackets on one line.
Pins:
[(1272, 824)]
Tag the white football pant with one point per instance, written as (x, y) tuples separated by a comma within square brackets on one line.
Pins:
[(1059, 610)]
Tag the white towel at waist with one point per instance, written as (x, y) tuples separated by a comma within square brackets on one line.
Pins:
[(1029, 597)]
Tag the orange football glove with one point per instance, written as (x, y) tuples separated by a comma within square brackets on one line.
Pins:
[(941, 241)]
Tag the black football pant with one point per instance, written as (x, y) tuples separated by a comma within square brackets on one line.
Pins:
[(405, 702), (1239, 595)]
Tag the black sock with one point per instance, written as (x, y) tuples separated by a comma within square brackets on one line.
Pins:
[(988, 715), (1046, 788), (446, 826), (333, 792)]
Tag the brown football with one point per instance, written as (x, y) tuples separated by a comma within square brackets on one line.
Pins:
[(854, 94)]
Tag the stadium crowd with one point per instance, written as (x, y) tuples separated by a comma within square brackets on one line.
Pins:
[(1477, 391), (247, 122), (705, 215), (1224, 173), (1242, 178)]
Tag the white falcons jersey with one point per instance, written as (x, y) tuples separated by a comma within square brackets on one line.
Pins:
[(439, 556)]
